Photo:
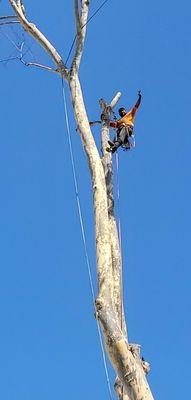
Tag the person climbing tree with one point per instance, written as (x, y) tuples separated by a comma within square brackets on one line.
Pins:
[(124, 125), (131, 370)]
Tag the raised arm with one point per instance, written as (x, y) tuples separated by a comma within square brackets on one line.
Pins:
[(137, 104)]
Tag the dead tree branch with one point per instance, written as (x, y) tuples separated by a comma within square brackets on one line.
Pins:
[(39, 37), (9, 23), (81, 22), (33, 64), (8, 17), (126, 361)]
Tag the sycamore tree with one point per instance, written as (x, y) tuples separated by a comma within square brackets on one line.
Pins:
[(131, 370)]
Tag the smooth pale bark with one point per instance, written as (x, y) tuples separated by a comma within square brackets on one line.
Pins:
[(128, 367), (114, 239), (131, 381), (102, 235)]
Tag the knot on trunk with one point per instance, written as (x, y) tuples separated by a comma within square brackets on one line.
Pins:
[(135, 349)]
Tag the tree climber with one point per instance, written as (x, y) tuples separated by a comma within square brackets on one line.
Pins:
[(124, 126)]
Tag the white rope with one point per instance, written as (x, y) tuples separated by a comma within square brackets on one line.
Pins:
[(120, 241), (83, 235), (119, 233), (118, 203)]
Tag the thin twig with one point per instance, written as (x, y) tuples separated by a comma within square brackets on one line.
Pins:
[(20, 57), (9, 23), (9, 59), (33, 64), (39, 37), (10, 40), (8, 17)]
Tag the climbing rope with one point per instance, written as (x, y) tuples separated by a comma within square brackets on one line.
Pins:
[(119, 231), (89, 19), (83, 233), (118, 202), (120, 239)]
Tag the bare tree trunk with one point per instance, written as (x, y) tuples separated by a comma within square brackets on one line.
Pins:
[(131, 383), (114, 239), (128, 366), (102, 235)]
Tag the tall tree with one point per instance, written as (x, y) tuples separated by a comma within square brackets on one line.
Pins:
[(131, 370)]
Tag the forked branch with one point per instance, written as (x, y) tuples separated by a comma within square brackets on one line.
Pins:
[(32, 30)]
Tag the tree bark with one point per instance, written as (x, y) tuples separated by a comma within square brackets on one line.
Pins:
[(127, 366), (131, 383), (102, 235), (114, 239)]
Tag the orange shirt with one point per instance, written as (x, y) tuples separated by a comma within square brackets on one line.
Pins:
[(128, 119)]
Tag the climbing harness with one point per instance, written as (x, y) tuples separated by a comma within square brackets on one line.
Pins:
[(83, 233)]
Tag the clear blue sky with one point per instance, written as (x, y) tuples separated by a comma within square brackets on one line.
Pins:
[(48, 338)]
